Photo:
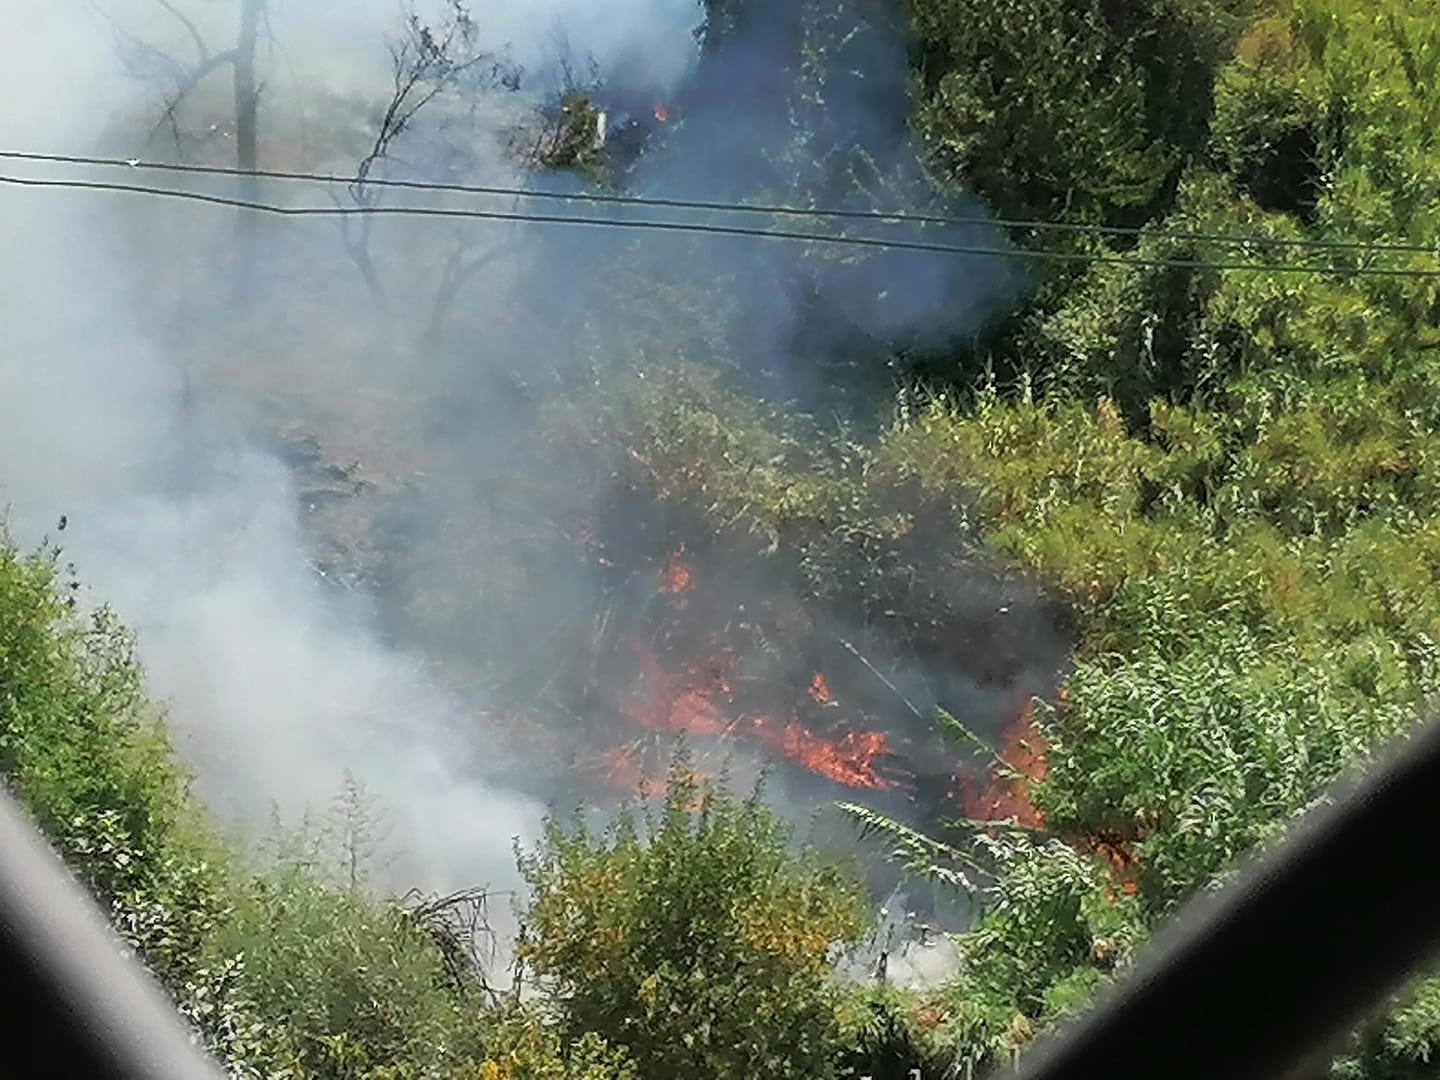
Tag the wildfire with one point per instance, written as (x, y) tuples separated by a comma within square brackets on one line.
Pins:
[(700, 701), (585, 539), (820, 690), (850, 760), (1005, 795), (664, 703), (618, 768), (675, 576), (1116, 848)]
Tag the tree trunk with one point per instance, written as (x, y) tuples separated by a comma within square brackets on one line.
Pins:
[(247, 110)]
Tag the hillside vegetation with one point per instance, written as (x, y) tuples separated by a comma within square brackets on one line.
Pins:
[(1219, 460), (1228, 473)]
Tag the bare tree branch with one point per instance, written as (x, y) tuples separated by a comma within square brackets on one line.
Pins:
[(192, 79), (131, 47), (426, 63), (459, 925), (458, 272), (202, 51)]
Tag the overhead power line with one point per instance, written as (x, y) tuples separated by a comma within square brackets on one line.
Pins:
[(882, 216), (1024, 254)]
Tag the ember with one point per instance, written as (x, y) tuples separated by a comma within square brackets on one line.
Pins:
[(619, 769), (1116, 848), (664, 703), (820, 690), (675, 575)]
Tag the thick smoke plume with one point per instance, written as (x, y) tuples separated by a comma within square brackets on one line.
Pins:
[(275, 686), (324, 507)]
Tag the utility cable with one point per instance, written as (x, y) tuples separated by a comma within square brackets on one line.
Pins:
[(1022, 254), (882, 216)]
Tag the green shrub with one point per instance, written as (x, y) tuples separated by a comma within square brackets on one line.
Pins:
[(695, 940)]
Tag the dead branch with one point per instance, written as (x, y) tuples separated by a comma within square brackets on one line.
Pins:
[(459, 926), (200, 48), (425, 64), (458, 272), (169, 115), (131, 47)]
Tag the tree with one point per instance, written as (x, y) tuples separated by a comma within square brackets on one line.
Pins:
[(428, 63), (247, 138), (185, 75), (696, 940), (1068, 108)]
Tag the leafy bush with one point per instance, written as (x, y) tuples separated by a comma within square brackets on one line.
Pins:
[(354, 983), (1208, 754), (282, 973), (523, 1046), (1054, 108), (697, 941)]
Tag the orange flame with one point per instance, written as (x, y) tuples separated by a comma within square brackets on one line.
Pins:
[(820, 690), (675, 575), (850, 760), (696, 702), (1003, 796), (1006, 796), (1116, 848), (618, 768), (663, 705), (622, 769)]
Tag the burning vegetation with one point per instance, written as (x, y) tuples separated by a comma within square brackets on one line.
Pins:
[(699, 636), (1002, 793)]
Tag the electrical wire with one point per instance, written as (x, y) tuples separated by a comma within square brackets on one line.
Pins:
[(1023, 254), (1023, 224)]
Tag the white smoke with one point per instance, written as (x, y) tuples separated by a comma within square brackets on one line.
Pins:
[(273, 689), (110, 412)]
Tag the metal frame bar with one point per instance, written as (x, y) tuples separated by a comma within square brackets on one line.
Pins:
[(1264, 978), (75, 1005)]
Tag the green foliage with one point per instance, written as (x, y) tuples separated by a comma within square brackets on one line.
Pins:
[(281, 972), (1322, 131), (1051, 926), (523, 1046), (696, 939), (1051, 931), (78, 742), (85, 752), (1056, 107), (1270, 119), (887, 1034), (1230, 476), (570, 140), (1402, 1045), (1212, 752), (355, 985)]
